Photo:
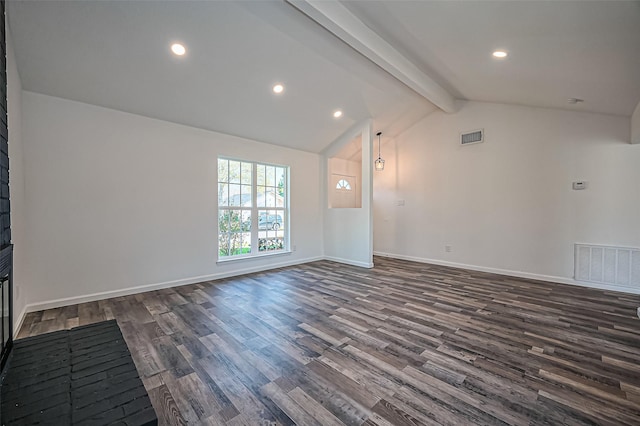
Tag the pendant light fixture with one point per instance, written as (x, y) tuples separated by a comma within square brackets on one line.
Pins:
[(379, 163)]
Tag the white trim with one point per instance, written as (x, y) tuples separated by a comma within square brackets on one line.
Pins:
[(17, 324), (337, 19), (607, 246), (57, 303), (368, 265), (511, 273), (257, 256)]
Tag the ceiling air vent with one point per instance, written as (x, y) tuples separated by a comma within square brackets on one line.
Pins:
[(475, 136)]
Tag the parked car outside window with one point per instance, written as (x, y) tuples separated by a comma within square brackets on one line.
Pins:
[(269, 221), (266, 221)]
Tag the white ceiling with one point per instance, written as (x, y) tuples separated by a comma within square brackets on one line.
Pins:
[(116, 54), (557, 49)]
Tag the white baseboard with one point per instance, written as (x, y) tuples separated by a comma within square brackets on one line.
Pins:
[(17, 324), (511, 273), (368, 265), (57, 303), (66, 301)]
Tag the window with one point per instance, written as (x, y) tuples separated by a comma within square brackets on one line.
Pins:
[(252, 208), (343, 184)]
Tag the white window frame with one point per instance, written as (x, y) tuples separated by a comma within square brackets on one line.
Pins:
[(255, 209)]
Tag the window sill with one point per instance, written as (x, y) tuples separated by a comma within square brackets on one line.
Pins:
[(257, 256)]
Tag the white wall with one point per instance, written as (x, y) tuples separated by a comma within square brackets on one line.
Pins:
[(635, 125), (16, 185), (348, 232), (118, 201), (507, 203)]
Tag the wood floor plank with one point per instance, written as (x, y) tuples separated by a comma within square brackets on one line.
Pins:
[(165, 406), (402, 343)]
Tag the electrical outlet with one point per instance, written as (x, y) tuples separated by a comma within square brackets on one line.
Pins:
[(293, 248), (447, 248)]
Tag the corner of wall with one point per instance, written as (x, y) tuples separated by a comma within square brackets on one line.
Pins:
[(17, 182), (635, 125)]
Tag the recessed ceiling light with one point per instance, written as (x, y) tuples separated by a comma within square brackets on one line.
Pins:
[(337, 114), (500, 54), (278, 88), (178, 49)]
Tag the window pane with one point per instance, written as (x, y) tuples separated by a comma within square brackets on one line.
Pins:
[(234, 172), (269, 220), (270, 241), (270, 197), (235, 243), (235, 228), (271, 230), (223, 170), (223, 194), (234, 195), (235, 220), (261, 202), (245, 195), (343, 184), (223, 221), (270, 176), (223, 234), (223, 245), (246, 220), (246, 173), (281, 181), (261, 172), (246, 243)]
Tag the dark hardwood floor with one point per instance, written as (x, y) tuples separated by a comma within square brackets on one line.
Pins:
[(403, 343)]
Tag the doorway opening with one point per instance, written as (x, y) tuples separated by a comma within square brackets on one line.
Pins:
[(345, 174)]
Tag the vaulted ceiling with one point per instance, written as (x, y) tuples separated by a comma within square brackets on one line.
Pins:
[(557, 49), (116, 54)]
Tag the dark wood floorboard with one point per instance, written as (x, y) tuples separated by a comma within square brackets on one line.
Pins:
[(403, 344)]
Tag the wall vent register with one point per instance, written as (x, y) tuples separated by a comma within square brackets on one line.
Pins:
[(475, 136), (619, 266)]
